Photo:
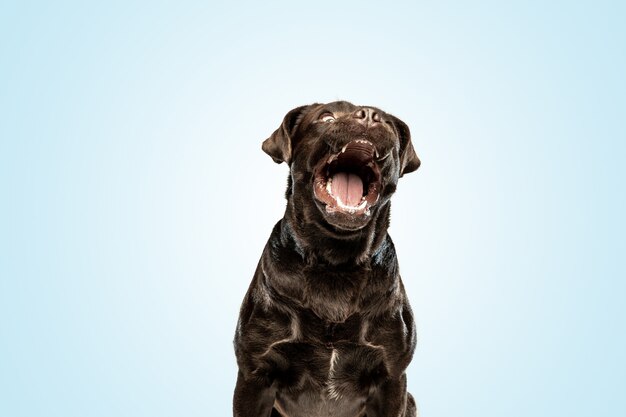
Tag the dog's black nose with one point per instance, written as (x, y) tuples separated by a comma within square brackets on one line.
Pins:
[(367, 116)]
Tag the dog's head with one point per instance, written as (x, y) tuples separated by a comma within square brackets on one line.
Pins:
[(345, 160)]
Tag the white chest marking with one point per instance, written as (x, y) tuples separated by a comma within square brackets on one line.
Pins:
[(332, 388)]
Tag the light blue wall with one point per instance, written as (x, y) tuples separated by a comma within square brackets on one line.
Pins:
[(135, 199)]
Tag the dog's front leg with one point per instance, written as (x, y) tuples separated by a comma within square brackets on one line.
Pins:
[(391, 399), (253, 397)]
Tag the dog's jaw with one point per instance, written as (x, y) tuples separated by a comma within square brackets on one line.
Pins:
[(333, 245)]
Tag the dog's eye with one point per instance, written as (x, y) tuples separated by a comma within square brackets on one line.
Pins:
[(327, 117)]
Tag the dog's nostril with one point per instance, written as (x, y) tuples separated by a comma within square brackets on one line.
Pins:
[(360, 114), (367, 116)]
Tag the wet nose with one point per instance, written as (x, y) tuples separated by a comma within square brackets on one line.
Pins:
[(367, 116)]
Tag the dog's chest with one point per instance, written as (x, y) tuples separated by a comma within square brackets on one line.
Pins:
[(326, 367), (327, 380)]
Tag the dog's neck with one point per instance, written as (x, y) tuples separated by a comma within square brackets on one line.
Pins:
[(317, 241)]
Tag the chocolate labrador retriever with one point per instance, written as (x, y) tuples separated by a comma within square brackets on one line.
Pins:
[(325, 328)]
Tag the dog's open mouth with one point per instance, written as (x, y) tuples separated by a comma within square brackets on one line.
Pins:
[(349, 181)]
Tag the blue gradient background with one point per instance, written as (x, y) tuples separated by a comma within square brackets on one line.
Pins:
[(135, 199)]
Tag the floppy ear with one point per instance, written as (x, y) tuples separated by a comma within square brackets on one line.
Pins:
[(279, 144), (409, 161)]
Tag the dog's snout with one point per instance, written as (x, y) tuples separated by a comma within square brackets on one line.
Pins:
[(367, 116)]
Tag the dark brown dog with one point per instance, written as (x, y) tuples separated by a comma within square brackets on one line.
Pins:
[(326, 328)]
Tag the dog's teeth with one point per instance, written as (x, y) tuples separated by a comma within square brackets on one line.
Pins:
[(329, 186), (351, 209), (344, 148)]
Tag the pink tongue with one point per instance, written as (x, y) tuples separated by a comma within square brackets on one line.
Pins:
[(348, 188)]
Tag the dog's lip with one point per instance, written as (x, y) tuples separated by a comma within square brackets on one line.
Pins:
[(358, 157)]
